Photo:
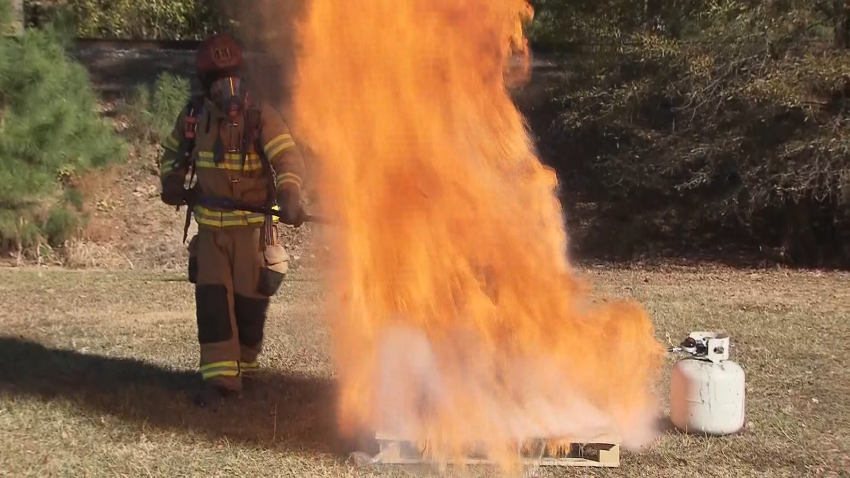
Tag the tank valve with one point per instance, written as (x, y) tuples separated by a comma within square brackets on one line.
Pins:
[(713, 346)]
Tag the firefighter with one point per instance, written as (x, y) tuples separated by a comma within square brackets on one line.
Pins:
[(239, 151)]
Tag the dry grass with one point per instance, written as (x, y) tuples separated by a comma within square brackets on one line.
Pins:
[(96, 370)]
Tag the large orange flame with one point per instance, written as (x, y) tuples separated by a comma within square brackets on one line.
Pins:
[(457, 318)]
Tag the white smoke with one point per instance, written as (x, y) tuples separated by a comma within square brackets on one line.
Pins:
[(522, 400)]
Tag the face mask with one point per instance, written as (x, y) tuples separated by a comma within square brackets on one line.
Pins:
[(229, 94)]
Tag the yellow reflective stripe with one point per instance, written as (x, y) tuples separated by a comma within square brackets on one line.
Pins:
[(229, 166), (280, 149), (226, 363), (167, 166), (171, 144), (232, 162), (277, 140), (219, 373), (211, 218), (291, 178), (228, 222), (249, 366), (278, 145), (220, 369), (228, 156)]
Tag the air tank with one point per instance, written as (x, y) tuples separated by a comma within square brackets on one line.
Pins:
[(707, 389)]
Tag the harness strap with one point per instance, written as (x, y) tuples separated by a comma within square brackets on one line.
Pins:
[(253, 126), (190, 127)]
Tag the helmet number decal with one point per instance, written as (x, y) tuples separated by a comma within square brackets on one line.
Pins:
[(221, 55)]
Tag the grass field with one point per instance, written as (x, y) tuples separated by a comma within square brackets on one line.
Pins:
[(97, 368)]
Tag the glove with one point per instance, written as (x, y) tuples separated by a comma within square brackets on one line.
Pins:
[(173, 192), (289, 201)]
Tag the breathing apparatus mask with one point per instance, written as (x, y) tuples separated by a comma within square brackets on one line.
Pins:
[(229, 93)]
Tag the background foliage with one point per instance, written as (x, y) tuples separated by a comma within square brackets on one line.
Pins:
[(149, 19), (50, 133), (152, 109), (707, 120)]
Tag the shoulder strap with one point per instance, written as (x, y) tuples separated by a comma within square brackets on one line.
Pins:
[(253, 134), (194, 108), (253, 128)]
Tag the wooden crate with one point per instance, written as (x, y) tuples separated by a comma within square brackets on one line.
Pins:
[(600, 452)]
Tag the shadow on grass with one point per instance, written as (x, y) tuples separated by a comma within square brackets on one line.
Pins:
[(283, 412)]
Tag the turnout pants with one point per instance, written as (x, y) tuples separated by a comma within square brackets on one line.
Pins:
[(235, 274)]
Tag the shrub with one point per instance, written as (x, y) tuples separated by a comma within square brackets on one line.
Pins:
[(728, 116), (61, 225), (51, 132), (148, 19), (152, 109)]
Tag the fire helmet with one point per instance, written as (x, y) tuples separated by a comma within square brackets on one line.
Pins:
[(219, 54), (219, 66)]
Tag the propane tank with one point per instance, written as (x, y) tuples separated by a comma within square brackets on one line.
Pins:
[(706, 388)]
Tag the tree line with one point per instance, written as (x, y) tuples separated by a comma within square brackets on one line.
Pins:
[(709, 122)]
